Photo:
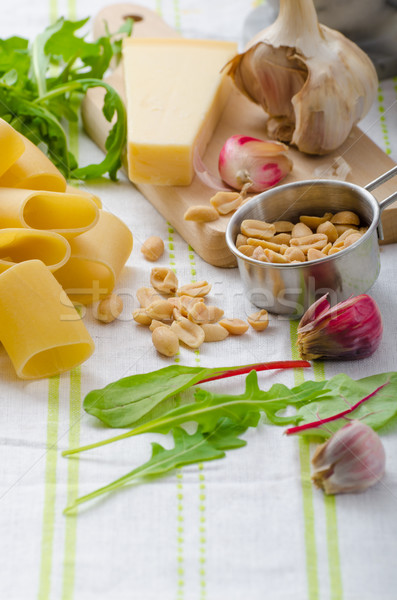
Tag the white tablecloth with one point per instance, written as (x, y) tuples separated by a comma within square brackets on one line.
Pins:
[(247, 527)]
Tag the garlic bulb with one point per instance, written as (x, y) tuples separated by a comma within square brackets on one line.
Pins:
[(347, 331), (313, 82), (256, 164), (352, 460)]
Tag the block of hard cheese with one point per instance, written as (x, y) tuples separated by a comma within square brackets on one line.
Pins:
[(175, 95)]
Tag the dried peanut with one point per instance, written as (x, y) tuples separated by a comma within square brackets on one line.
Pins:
[(146, 295), (165, 341), (140, 316), (345, 217), (314, 222), (334, 250), (346, 234), (341, 229), (274, 257), (241, 240), (327, 248), (187, 301), (234, 326), (316, 240), (294, 254), (300, 230), (202, 313), (247, 250), (265, 244), (109, 308), (164, 280), (351, 239), (152, 248), (201, 214), (194, 289), (258, 229), (313, 254), (188, 332), (283, 226), (213, 332), (281, 238), (226, 202), (363, 230), (329, 230), (175, 301), (155, 323), (259, 254), (160, 310), (259, 320)]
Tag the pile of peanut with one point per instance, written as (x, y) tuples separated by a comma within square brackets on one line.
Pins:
[(311, 238), (176, 314)]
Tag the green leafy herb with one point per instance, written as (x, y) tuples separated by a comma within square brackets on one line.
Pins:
[(320, 408), (244, 409), (41, 82), (123, 402), (372, 400), (188, 449)]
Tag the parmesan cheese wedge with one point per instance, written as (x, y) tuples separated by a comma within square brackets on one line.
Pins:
[(175, 93)]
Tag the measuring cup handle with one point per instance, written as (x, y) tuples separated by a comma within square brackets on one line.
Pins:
[(379, 180), (387, 201)]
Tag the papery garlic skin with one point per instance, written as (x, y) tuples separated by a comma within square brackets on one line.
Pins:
[(314, 83), (350, 330), (256, 164), (352, 460)]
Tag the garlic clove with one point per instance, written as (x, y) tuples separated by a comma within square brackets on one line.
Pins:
[(349, 330), (313, 82), (352, 460), (257, 164)]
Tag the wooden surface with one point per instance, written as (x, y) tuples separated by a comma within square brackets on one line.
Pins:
[(366, 160)]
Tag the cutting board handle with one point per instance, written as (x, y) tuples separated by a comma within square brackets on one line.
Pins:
[(147, 23)]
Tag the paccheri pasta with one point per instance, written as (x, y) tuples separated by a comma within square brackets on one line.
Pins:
[(97, 258), (33, 171), (19, 245), (39, 326), (49, 227), (62, 212), (12, 146)]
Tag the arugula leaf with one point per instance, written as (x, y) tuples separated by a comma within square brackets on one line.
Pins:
[(380, 405), (123, 402), (39, 84), (188, 449), (242, 409)]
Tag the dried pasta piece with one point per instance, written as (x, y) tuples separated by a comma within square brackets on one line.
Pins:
[(97, 258), (33, 171), (40, 329), (70, 189), (18, 245), (12, 146), (64, 213)]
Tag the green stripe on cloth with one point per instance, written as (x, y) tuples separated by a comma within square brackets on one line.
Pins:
[(180, 530), (69, 562), (331, 518), (202, 492), (53, 9), (47, 542), (383, 122), (307, 489), (335, 576)]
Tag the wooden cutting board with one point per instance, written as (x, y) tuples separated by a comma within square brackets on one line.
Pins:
[(240, 116)]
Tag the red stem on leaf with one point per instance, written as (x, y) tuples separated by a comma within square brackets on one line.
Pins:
[(281, 364), (340, 415)]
